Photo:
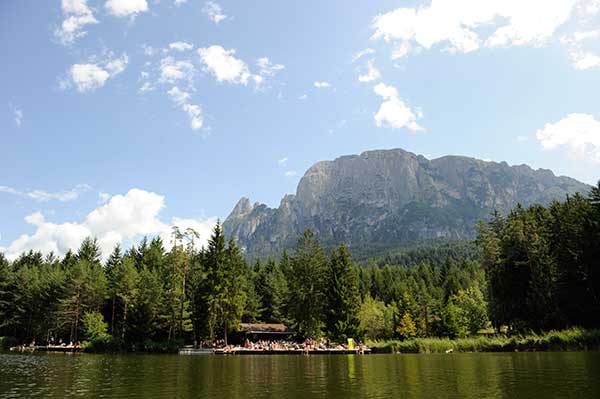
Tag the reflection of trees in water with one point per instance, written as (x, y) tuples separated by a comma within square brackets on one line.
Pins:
[(489, 375)]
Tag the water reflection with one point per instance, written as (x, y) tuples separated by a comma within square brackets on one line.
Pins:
[(512, 375)]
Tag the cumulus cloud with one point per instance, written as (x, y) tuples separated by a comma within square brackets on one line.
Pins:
[(460, 24), (123, 217), (126, 8), (393, 112), (45, 196), (181, 46), (214, 12), (579, 134), (282, 161), (88, 77), (322, 85), (222, 64), (91, 76), (583, 61), (371, 74), (77, 14), (35, 219), (182, 99)]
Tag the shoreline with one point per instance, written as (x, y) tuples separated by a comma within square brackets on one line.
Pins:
[(570, 340)]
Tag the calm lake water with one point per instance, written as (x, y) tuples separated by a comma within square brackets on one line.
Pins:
[(489, 375)]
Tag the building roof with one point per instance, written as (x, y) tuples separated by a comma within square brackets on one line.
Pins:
[(264, 328)]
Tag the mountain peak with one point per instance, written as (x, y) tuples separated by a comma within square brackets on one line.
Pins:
[(390, 197)]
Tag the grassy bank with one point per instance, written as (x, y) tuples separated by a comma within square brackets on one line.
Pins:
[(573, 339)]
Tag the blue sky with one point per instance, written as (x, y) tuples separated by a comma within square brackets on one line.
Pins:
[(120, 118)]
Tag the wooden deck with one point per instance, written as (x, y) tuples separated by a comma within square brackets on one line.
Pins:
[(242, 351), (40, 348)]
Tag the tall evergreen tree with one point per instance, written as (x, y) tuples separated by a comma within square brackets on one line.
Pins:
[(307, 279), (343, 298)]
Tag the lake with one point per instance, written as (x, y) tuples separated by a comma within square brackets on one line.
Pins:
[(478, 375)]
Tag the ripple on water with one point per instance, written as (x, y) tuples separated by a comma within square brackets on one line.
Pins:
[(549, 375)]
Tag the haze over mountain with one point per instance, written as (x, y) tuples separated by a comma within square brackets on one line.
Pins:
[(393, 197)]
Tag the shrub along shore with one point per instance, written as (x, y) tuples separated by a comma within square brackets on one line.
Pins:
[(573, 339)]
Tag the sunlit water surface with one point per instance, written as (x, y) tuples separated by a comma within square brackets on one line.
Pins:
[(502, 375)]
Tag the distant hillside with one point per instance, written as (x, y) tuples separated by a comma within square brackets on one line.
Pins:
[(388, 198)]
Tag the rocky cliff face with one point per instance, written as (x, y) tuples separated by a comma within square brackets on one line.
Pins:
[(390, 197)]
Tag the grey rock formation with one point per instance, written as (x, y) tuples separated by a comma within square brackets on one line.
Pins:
[(391, 197)]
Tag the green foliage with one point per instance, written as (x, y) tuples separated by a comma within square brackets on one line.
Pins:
[(375, 319), (343, 297), (574, 339), (94, 325), (407, 328), (542, 265), (105, 344), (538, 271), (306, 277)]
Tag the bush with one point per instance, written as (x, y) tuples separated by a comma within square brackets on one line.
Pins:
[(159, 347), (566, 340), (94, 325), (105, 344), (7, 342)]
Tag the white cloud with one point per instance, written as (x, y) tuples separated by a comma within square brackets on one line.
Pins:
[(358, 55), (393, 112), (91, 76), (581, 36), (291, 173), (151, 51), (371, 74), (172, 70), (214, 12), (282, 161), (180, 2), (128, 216), (583, 61), (35, 219), (223, 65), (126, 8), (103, 197), (146, 87), (458, 23), (181, 46), (18, 115), (88, 77), (303, 97), (266, 68), (117, 65), (182, 99), (322, 85), (45, 196), (77, 15), (578, 133)]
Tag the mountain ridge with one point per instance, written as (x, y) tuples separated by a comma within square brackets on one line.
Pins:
[(391, 197)]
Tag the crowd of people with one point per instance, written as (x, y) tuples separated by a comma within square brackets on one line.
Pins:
[(308, 345)]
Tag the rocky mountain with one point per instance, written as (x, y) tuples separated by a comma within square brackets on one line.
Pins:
[(392, 197)]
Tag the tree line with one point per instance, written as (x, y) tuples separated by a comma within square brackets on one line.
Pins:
[(537, 269)]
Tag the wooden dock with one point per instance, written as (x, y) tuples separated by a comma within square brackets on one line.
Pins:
[(42, 348)]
